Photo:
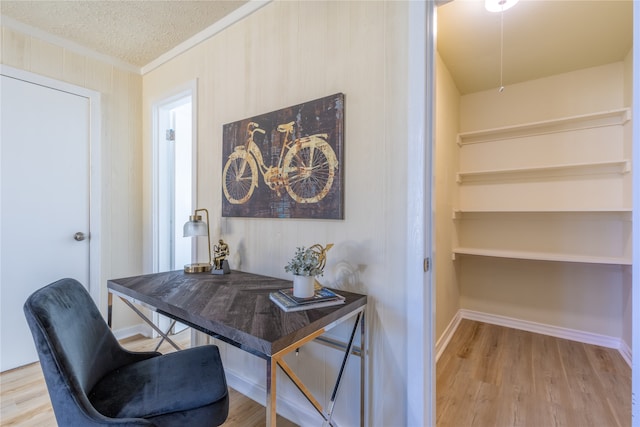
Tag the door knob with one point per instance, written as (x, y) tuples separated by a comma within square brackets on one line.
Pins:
[(79, 236)]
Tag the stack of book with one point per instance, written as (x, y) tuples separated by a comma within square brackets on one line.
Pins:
[(322, 297)]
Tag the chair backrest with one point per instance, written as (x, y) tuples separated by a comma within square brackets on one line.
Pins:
[(75, 346)]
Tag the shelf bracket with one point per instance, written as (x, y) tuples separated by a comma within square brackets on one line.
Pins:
[(626, 168)]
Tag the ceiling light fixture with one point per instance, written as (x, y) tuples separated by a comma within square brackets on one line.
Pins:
[(500, 6)]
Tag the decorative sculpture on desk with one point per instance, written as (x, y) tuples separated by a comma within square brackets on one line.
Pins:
[(321, 253), (220, 254)]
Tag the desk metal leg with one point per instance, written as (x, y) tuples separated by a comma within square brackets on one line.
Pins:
[(277, 360), (272, 367), (336, 387), (165, 335), (363, 360), (150, 323), (109, 308)]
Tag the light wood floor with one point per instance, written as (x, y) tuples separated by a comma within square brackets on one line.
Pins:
[(24, 400), (487, 376), (495, 376)]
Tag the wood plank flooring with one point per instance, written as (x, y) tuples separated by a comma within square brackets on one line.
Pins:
[(24, 400), (495, 376), (488, 376)]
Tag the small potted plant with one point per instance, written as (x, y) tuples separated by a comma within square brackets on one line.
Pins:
[(305, 265)]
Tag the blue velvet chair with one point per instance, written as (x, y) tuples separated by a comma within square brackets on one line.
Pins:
[(93, 381)]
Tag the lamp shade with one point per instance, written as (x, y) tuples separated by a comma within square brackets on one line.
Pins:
[(195, 227)]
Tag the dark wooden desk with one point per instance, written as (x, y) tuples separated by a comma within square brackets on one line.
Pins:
[(236, 309)]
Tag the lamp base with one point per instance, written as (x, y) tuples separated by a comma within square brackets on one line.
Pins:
[(197, 268)]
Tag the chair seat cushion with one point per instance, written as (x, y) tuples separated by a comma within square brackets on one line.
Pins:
[(173, 382)]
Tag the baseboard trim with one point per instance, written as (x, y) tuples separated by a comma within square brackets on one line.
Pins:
[(285, 407), (139, 329), (539, 328), (625, 352), (446, 336)]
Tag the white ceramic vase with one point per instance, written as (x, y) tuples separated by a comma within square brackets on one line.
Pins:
[(303, 286)]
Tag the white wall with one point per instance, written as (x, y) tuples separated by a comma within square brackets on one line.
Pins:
[(286, 53), (121, 233), (570, 94), (446, 193)]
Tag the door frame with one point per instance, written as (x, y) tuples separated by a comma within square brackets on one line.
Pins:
[(420, 294), (189, 88), (95, 169), (424, 385), (635, 184)]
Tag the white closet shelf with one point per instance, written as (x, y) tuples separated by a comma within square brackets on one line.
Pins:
[(567, 124), (458, 213), (571, 169), (541, 256)]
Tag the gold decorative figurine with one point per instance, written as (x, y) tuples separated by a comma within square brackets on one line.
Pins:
[(322, 253), (220, 263)]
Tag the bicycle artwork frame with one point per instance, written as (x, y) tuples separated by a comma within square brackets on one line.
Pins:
[(287, 163)]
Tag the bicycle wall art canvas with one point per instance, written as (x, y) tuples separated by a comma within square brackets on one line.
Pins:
[(287, 163)]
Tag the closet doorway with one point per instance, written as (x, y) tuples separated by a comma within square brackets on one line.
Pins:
[(476, 284)]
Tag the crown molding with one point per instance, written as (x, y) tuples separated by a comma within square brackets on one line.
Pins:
[(11, 23), (235, 16)]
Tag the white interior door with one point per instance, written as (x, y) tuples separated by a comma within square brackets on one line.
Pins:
[(44, 202)]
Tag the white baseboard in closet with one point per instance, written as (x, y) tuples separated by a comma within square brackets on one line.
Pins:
[(625, 352), (446, 336), (538, 328)]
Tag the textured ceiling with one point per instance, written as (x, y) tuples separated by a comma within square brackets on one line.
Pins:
[(136, 32), (541, 38)]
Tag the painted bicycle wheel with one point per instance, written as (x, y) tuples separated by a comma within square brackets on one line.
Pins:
[(240, 177), (309, 167)]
